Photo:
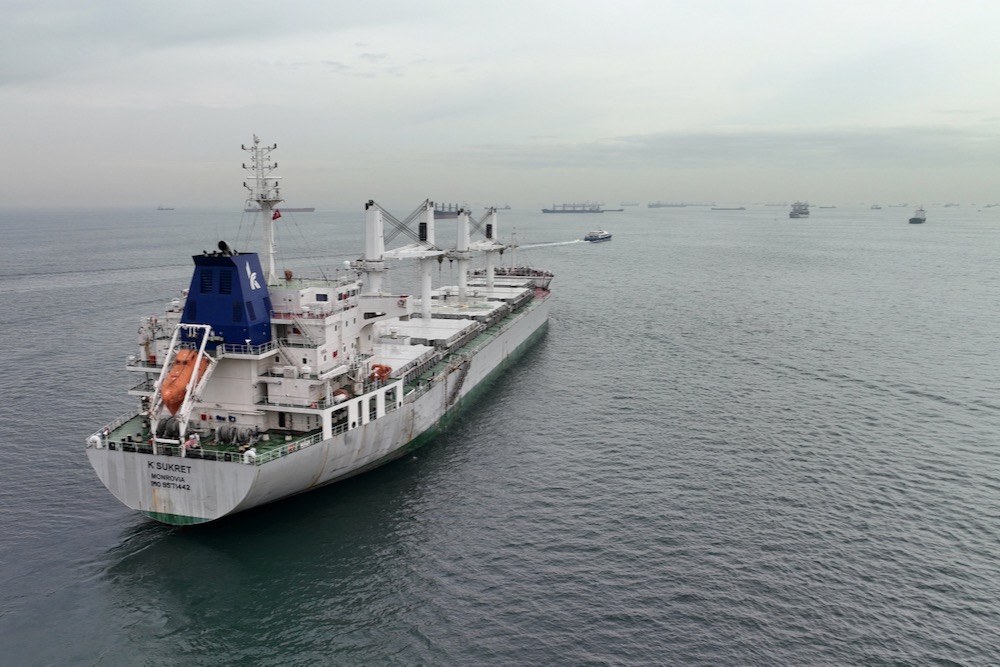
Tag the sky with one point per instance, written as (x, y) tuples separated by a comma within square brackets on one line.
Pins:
[(145, 103)]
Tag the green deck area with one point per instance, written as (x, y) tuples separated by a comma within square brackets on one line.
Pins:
[(132, 435)]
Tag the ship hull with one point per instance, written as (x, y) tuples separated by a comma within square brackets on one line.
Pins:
[(186, 490)]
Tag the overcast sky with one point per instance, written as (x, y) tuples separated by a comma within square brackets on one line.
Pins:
[(142, 102)]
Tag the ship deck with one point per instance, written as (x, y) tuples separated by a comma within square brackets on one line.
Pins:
[(461, 337), (132, 435)]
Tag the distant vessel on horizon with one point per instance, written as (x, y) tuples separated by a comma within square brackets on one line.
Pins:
[(875, 207), (919, 216), (448, 211), (660, 204), (574, 208), (729, 208), (164, 208), (800, 209)]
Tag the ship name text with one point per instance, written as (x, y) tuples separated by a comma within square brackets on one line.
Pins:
[(167, 467)]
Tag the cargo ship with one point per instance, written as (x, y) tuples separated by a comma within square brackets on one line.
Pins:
[(574, 208), (254, 386)]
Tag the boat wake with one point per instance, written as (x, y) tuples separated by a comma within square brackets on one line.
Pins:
[(549, 244)]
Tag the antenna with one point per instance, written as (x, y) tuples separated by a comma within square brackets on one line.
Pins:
[(265, 193)]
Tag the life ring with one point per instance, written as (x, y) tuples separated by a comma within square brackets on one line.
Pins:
[(401, 303), (313, 405)]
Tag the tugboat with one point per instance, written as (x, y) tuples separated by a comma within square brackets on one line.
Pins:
[(255, 386), (919, 216)]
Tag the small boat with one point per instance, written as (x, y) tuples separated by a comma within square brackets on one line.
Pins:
[(597, 236), (800, 209), (164, 208), (919, 216), (875, 207)]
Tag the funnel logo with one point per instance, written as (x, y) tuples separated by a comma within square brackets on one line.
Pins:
[(252, 277)]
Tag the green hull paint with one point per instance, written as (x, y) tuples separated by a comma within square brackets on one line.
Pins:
[(466, 401), (176, 519)]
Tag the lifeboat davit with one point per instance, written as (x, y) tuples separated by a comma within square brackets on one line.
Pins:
[(179, 377)]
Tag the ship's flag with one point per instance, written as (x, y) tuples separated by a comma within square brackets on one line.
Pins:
[(276, 214)]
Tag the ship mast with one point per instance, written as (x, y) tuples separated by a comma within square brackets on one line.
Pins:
[(265, 193)]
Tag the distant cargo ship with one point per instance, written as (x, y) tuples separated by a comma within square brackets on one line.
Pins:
[(448, 211), (574, 208)]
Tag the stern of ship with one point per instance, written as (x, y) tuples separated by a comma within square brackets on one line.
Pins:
[(171, 489)]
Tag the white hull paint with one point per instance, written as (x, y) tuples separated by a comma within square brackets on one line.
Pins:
[(190, 490)]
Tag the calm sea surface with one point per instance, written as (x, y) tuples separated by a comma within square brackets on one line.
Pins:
[(745, 440)]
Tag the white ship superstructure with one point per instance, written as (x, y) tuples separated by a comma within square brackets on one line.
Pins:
[(255, 386)]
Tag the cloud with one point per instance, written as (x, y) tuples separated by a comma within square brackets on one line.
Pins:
[(816, 147)]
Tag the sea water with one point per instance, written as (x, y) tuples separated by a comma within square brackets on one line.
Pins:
[(744, 440)]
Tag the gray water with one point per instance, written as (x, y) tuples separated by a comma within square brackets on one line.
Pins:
[(745, 440)]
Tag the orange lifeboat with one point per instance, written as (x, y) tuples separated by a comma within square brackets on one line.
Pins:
[(179, 377), (380, 372)]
